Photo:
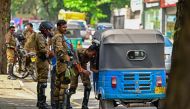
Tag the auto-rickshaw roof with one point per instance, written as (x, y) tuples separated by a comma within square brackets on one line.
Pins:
[(120, 36)]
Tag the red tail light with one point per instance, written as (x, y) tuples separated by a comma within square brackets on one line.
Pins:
[(114, 82), (159, 81)]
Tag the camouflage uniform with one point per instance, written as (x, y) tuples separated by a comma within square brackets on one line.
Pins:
[(29, 36), (41, 48), (42, 64), (11, 46), (83, 59), (27, 33), (61, 82), (29, 45)]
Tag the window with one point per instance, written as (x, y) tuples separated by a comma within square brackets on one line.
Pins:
[(136, 55)]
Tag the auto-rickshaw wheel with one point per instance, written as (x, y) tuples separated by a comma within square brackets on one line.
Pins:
[(106, 104), (159, 104)]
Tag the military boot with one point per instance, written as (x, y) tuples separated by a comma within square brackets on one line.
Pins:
[(69, 94), (62, 105), (41, 97), (10, 72), (43, 104), (86, 97), (55, 104)]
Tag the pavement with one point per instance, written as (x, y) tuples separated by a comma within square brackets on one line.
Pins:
[(12, 95), (21, 94)]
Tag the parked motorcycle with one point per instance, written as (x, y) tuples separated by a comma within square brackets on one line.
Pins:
[(25, 62)]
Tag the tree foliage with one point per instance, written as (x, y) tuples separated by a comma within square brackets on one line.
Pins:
[(119, 3), (16, 5), (25, 7), (97, 9), (51, 9)]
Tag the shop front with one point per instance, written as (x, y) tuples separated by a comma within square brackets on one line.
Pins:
[(152, 15), (170, 14)]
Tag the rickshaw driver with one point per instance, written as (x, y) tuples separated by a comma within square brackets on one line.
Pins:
[(85, 56)]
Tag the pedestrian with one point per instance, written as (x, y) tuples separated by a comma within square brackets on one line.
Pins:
[(10, 51), (84, 56), (61, 82), (42, 64)]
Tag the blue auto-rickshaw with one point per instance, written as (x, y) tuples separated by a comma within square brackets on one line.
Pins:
[(131, 68)]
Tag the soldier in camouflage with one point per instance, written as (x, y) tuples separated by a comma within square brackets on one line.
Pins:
[(11, 47), (43, 54), (28, 35), (61, 82), (84, 56)]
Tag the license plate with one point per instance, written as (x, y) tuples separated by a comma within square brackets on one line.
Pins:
[(160, 90), (33, 59)]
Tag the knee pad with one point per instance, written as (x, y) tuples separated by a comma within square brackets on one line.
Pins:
[(43, 85)]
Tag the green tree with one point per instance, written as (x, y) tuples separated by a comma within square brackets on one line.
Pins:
[(16, 5), (25, 7), (97, 10), (88, 6), (5, 11), (119, 3), (51, 9), (178, 95)]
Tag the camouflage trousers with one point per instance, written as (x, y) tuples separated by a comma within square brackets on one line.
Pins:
[(61, 85), (85, 80), (42, 70), (10, 55)]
